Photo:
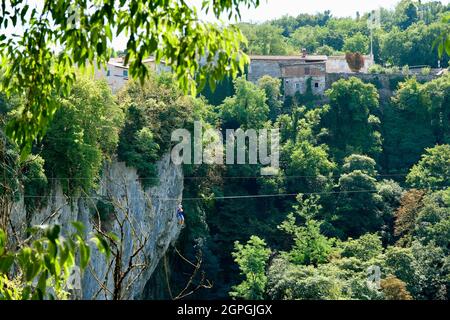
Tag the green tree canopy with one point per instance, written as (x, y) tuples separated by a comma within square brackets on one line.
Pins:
[(433, 170), (351, 120), (357, 43), (247, 109), (310, 246), (37, 64), (251, 258), (85, 132), (265, 39), (272, 88)]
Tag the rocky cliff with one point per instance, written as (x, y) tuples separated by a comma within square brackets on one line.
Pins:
[(144, 221)]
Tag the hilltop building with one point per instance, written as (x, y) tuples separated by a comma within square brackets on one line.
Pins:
[(116, 72), (296, 71)]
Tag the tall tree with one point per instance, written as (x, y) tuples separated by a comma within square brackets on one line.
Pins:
[(247, 109), (358, 204), (59, 35), (406, 13), (407, 127), (272, 88), (309, 245), (433, 170), (252, 259), (351, 120), (84, 132), (264, 39), (357, 43)]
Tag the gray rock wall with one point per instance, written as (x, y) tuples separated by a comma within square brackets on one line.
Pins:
[(148, 218)]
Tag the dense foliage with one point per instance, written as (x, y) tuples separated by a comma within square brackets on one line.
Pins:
[(41, 269), (152, 112), (358, 213), (404, 35), (37, 63), (354, 213), (83, 134), (359, 209)]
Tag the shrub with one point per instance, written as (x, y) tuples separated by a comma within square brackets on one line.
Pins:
[(34, 183), (325, 50), (83, 133), (425, 71), (152, 112), (376, 69), (391, 70), (103, 209), (405, 70), (355, 61), (394, 289)]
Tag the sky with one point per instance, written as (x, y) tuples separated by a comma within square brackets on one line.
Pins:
[(272, 9)]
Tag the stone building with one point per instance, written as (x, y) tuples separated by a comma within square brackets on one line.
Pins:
[(296, 77), (296, 71), (271, 65)]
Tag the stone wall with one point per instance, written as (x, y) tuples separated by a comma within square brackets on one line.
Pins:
[(260, 68), (296, 77), (385, 83), (338, 64), (293, 85)]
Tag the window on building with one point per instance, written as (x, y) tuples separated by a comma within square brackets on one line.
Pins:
[(108, 73), (125, 73), (297, 86), (316, 85)]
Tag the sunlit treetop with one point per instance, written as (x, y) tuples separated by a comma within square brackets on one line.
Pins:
[(443, 41), (37, 64)]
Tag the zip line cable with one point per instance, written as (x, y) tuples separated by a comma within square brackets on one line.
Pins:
[(256, 196), (237, 177)]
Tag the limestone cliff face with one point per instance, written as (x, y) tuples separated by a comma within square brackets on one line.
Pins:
[(148, 219)]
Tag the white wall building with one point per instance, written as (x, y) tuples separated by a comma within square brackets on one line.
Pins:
[(338, 64), (116, 73)]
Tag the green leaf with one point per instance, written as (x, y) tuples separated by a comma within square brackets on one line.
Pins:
[(441, 48), (102, 244), (64, 253), (26, 293), (113, 236), (24, 11), (6, 262), (79, 227), (2, 241), (99, 48), (85, 253), (32, 269), (42, 284), (52, 233), (447, 45), (50, 264)]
